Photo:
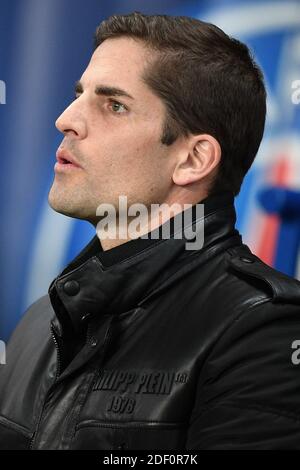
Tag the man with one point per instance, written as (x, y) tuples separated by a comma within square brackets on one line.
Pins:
[(142, 343)]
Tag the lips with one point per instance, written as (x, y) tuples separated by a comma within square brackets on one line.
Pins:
[(64, 157)]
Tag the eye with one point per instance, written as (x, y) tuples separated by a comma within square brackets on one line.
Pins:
[(116, 106)]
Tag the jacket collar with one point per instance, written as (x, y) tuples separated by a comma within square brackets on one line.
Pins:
[(115, 281)]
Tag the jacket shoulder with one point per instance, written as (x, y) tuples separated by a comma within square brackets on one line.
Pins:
[(35, 321), (246, 265)]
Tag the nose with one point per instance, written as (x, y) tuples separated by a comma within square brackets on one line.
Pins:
[(71, 122)]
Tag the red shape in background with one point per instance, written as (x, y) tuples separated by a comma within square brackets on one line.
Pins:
[(268, 243)]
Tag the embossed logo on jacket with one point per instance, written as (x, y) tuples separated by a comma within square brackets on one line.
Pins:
[(135, 382)]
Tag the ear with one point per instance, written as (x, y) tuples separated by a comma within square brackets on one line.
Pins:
[(197, 160)]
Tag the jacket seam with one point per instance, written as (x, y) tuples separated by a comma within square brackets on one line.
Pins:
[(69, 430), (131, 424), (193, 259), (9, 424), (251, 307), (237, 318)]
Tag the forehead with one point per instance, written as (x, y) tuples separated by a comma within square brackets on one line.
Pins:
[(118, 59)]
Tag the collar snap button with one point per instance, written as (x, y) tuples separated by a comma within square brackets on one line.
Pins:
[(94, 342), (85, 317), (247, 260), (71, 287)]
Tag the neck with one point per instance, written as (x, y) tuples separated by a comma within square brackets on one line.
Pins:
[(123, 228)]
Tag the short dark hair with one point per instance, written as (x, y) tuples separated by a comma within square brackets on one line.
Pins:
[(208, 81)]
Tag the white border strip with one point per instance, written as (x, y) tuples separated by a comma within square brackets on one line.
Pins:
[(50, 243), (256, 18)]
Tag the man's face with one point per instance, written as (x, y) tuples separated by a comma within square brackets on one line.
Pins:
[(114, 139)]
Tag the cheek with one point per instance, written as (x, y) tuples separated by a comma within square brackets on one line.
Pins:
[(127, 150)]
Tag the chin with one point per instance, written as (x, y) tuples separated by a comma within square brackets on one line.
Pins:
[(58, 204), (68, 208)]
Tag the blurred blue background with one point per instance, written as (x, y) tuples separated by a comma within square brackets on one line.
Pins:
[(44, 47)]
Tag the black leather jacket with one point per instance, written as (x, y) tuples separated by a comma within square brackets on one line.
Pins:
[(161, 348)]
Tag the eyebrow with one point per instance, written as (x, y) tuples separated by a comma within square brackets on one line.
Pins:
[(104, 90)]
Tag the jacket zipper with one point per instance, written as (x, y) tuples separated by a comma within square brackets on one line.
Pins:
[(88, 338), (58, 354), (88, 333), (56, 377)]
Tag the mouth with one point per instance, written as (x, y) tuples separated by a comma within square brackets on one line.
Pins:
[(65, 161)]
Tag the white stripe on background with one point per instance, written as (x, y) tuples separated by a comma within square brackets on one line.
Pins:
[(257, 18), (49, 249)]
